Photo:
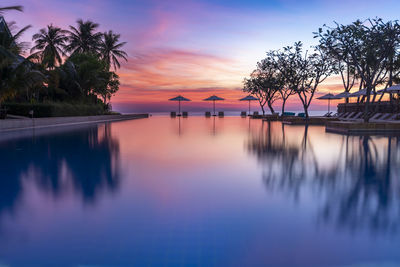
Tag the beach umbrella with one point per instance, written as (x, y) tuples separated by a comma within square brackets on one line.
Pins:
[(343, 95), (213, 99), (359, 93), (328, 97), (382, 91), (391, 90), (179, 98), (362, 92), (248, 98)]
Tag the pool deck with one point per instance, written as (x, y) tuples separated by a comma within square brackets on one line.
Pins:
[(35, 123), (319, 120), (294, 120), (351, 127)]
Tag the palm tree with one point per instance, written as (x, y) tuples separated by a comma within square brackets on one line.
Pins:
[(17, 8), (84, 38), (16, 72), (49, 45), (11, 47), (110, 49)]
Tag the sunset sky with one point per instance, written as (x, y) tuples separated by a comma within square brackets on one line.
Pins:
[(198, 48)]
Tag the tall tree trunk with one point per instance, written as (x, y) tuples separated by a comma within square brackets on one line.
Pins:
[(306, 110), (270, 107), (367, 101), (262, 108), (283, 106), (262, 103)]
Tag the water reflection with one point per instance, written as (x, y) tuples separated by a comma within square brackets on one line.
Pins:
[(213, 130), (81, 161), (358, 188), (198, 198)]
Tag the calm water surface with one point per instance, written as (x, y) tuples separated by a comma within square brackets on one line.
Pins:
[(197, 191)]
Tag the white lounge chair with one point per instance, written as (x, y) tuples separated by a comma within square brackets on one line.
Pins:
[(394, 117), (382, 118), (341, 115), (350, 116)]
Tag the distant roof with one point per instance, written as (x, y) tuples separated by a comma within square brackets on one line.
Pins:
[(4, 26)]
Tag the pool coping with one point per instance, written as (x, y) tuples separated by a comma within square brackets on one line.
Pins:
[(37, 123)]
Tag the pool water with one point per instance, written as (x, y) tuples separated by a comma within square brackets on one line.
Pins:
[(198, 192)]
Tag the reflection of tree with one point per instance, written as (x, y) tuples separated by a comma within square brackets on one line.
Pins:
[(367, 189), (83, 160), (283, 158), (359, 189)]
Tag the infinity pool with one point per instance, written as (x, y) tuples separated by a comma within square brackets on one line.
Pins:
[(197, 191)]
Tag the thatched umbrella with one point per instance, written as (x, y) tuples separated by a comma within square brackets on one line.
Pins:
[(179, 98), (213, 99), (248, 98), (328, 97)]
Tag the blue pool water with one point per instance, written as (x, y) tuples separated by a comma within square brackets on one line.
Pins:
[(198, 192)]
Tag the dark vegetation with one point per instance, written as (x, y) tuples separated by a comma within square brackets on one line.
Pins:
[(66, 72), (364, 54)]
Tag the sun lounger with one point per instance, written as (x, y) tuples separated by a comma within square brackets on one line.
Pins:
[(221, 114), (243, 114), (173, 114), (329, 114), (372, 116), (355, 117), (301, 115), (342, 115), (255, 113), (208, 114), (394, 117), (185, 114), (348, 116), (381, 118), (288, 114), (377, 116)]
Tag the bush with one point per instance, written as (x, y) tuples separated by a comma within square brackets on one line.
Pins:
[(41, 110)]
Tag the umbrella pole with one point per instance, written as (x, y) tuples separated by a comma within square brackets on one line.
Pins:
[(249, 107), (179, 107)]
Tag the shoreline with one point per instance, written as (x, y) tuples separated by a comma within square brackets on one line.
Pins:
[(37, 123)]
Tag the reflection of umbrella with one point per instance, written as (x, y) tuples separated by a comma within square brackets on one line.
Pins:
[(179, 128), (179, 98), (248, 98), (213, 99), (328, 97)]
